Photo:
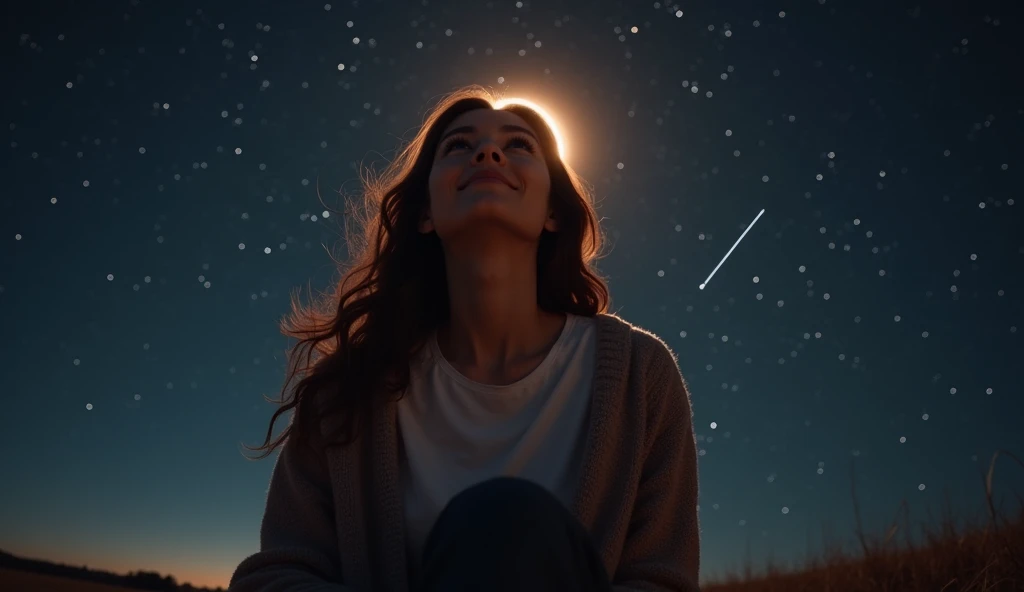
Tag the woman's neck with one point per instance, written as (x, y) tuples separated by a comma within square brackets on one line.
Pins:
[(495, 323)]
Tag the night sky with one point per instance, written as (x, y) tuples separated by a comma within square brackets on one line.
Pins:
[(168, 167)]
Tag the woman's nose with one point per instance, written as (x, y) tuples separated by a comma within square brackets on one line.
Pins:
[(489, 150)]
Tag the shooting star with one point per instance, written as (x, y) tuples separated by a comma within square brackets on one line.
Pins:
[(731, 250)]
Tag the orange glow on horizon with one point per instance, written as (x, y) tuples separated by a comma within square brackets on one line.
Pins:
[(210, 575)]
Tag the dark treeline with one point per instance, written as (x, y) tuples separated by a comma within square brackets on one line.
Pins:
[(138, 580)]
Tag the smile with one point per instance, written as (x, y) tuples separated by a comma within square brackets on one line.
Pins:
[(486, 180)]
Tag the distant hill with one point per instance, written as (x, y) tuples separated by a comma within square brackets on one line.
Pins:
[(138, 580)]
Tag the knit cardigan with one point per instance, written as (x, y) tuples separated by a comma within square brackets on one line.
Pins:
[(334, 520)]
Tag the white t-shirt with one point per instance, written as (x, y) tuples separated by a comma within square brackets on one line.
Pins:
[(456, 432)]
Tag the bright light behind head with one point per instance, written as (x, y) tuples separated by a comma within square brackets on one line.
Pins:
[(540, 111)]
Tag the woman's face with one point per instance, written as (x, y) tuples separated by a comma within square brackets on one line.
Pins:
[(513, 206)]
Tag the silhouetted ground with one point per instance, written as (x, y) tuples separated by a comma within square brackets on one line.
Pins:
[(23, 581), (985, 557), (21, 574)]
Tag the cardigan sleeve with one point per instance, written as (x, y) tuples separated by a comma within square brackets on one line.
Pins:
[(298, 542), (662, 547)]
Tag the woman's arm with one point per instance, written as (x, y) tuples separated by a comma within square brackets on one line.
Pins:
[(662, 549), (298, 543)]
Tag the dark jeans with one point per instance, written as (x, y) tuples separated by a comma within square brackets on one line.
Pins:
[(510, 534)]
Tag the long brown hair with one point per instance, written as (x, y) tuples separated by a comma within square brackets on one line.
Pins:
[(355, 342)]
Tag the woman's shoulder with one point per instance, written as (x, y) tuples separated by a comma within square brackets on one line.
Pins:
[(648, 351), (654, 369)]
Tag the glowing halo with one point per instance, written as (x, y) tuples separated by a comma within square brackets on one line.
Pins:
[(548, 119)]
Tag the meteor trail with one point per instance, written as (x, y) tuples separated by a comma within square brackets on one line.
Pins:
[(730, 250)]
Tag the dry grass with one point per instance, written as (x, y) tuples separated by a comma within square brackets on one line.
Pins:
[(986, 557)]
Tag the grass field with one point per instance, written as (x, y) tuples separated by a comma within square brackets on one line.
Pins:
[(975, 561), (986, 556)]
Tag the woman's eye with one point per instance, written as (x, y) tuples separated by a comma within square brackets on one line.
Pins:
[(453, 143), (528, 145), (460, 142)]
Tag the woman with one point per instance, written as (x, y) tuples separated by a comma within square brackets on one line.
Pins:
[(468, 416)]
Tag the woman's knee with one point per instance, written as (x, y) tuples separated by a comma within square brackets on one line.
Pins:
[(507, 498)]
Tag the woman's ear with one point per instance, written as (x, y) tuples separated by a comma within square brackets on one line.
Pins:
[(426, 224), (551, 225)]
